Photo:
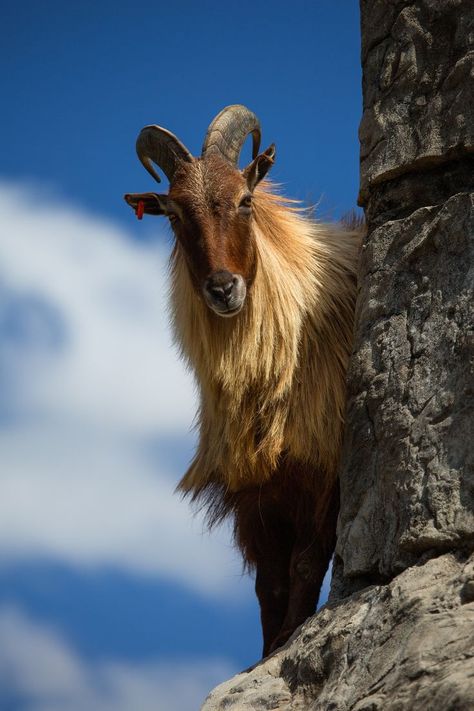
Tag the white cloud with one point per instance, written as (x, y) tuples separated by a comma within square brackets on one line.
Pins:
[(91, 500), (117, 367), (89, 377), (47, 674)]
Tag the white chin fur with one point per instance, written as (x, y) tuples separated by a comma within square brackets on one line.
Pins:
[(227, 314)]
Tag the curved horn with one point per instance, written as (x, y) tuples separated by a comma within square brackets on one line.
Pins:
[(227, 133), (163, 148)]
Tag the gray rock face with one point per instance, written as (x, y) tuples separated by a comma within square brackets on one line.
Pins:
[(398, 634), (417, 59), (408, 475), (406, 645), (408, 468)]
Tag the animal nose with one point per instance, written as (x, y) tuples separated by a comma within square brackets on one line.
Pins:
[(222, 292), (220, 286)]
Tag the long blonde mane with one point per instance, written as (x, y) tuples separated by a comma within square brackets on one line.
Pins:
[(272, 378)]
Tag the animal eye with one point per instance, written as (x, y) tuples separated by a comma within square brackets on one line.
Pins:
[(245, 205), (172, 217)]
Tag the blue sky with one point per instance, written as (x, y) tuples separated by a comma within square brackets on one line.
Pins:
[(110, 593)]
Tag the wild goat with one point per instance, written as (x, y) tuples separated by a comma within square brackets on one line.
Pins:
[(262, 301)]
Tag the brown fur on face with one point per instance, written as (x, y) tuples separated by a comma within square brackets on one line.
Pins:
[(213, 234)]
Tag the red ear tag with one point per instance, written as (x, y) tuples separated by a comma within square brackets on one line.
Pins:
[(139, 212)]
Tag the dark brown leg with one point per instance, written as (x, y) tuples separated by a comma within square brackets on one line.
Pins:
[(272, 587), (310, 559), (283, 533), (266, 539)]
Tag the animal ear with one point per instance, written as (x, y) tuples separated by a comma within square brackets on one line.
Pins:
[(259, 167), (148, 203)]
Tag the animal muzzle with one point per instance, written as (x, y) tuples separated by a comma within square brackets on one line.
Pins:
[(225, 293)]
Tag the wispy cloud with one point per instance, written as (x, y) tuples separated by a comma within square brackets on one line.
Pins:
[(89, 378), (90, 305), (43, 672)]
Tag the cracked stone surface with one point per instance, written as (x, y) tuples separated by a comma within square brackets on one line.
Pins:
[(417, 60), (408, 475), (402, 646), (398, 633), (407, 478)]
